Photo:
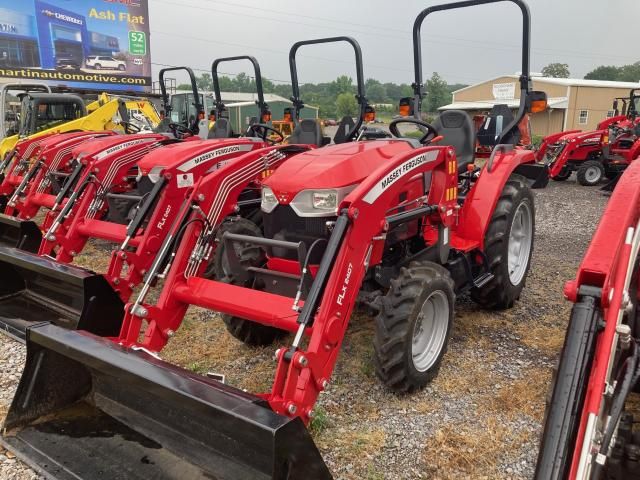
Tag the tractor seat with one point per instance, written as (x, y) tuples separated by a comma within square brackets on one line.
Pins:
[(307, 132), (221, 129), (457, 129), (499, 117), (344, 128)]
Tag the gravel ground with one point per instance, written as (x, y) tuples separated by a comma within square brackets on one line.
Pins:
[(480, 418)]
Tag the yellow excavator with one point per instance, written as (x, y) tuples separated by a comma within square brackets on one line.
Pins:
[(43, 113)]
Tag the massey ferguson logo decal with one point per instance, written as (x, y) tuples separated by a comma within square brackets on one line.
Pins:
[(345, 285), (206, 157), (122, 146), (393, 176)]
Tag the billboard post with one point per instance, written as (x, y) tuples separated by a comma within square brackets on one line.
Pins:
[(88, 44)]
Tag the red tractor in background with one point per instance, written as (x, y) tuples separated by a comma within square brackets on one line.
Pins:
[(401, 225), (596, 154), (591, 424)]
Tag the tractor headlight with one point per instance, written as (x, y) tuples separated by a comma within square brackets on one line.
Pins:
[(325, 200), (320, 203), (269, 200)]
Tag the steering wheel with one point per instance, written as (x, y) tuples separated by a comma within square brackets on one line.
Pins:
[(130, 127), (260, 130), (179, 129), (425, 139)]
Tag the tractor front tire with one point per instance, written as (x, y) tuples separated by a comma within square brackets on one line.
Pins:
[(512, 227), (248, 332), (590, 173), (413, 326)]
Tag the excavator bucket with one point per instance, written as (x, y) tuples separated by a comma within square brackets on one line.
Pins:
[(22, 234), (87, 408), (34, 289)]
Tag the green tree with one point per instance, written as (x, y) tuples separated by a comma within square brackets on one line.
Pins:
[(604, 72), (346, 105), (204, 82), (342, 84), (437, 93), (377, 93), (556, 70), (630, 73)]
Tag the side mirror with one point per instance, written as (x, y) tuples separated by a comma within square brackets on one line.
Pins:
[(405, 107), (536, 101)]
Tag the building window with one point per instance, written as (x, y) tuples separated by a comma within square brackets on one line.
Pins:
[(611, 113), (583, 117)]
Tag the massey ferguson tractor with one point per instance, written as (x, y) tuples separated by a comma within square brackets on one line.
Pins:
[(402, 225), (591, 429), (604, 152)]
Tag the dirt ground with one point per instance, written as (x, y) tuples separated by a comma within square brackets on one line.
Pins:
[(481, 417)]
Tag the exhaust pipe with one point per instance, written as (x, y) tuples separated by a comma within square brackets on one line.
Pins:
[(34, 289), (22, 234), (87, 408)]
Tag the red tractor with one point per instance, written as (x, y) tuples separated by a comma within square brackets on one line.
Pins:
[(591, 428), (400, 224), (604, 152)]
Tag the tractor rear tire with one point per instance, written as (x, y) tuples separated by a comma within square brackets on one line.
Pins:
[(421, 296), (590, 173), (503, 290), (248, 332)]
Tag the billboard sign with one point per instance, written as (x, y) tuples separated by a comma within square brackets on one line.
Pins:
[(89, 44)]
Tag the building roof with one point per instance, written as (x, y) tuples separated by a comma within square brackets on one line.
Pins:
[(553, 102), (241, 99), (569, 82)]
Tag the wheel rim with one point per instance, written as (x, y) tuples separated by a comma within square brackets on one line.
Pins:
[(592, 175), (520, 239), (430, 331)]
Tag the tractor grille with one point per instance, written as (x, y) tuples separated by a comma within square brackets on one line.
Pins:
[(284, 224)]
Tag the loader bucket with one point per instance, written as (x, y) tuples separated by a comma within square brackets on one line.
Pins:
[(22, 234), (87, 408), (34, 289)]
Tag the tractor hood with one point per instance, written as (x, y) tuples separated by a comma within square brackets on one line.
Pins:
[(194, 153), (333, 166), (111, 145)]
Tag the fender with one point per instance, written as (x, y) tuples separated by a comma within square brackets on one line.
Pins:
[(477, 210)]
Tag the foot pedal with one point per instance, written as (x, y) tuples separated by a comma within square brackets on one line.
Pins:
[(481, 280)]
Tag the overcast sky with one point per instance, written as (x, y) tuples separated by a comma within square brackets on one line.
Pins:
[(464, 46)]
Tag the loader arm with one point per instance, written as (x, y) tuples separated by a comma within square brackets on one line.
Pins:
[(603, 291)]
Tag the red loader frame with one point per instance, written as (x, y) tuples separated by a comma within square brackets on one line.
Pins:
[(140, 239), (587, 434), (52, 157)]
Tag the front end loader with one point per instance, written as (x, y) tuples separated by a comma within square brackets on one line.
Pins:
[(591, 421), (43, 171), (48, 113), (401, 225)]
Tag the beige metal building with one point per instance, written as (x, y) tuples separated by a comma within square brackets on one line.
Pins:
[(574, 104)]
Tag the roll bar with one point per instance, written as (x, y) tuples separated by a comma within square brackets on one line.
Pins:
[(525, 78), (194, 89), (360, 95), (264, 108)]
